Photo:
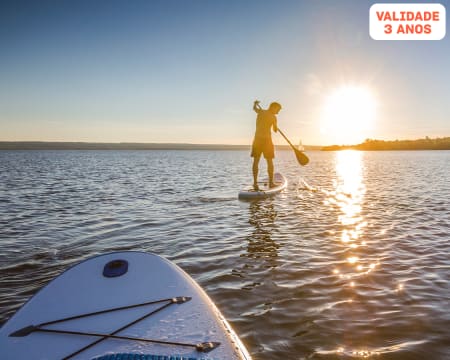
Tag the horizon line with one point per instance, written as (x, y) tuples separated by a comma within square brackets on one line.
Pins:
[(42, 145), (84, 145)]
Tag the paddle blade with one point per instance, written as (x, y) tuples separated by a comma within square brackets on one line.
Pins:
[(301, 157)]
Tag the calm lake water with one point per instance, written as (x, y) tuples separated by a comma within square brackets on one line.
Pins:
[(351, 261)]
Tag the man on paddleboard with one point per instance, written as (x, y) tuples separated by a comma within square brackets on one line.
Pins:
[(266, 120)]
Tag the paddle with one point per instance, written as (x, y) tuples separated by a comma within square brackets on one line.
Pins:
[(301, 157)]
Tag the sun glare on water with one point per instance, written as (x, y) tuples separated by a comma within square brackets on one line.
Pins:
[(348, 115)]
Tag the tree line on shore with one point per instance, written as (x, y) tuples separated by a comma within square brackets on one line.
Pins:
[(418, 144)]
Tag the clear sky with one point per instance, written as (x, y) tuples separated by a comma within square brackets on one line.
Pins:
[(189, 70)]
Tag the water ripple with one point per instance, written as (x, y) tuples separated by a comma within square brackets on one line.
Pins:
[(350, 262)]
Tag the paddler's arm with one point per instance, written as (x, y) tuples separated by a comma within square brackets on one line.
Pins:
[(275, 125)]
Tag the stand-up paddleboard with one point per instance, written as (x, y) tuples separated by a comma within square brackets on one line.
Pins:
[(249, 193), (124, 305)]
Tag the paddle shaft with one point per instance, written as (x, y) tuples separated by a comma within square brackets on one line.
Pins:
[(282, 134)]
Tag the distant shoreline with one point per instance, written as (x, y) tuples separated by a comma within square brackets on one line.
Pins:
[(368, 145), (382, 145), (47, 145)]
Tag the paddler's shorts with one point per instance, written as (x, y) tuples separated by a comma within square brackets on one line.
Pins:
[(263, 146)]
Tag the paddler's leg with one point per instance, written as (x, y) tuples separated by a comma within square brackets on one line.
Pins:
[(255, 172), (270, 172)]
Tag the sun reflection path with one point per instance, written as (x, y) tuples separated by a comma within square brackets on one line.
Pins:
[(348, 195)]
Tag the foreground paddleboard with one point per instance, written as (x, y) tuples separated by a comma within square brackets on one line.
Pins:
[(129, 296), (249, 193)]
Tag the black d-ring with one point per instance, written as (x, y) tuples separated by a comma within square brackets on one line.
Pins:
[(115, 268)]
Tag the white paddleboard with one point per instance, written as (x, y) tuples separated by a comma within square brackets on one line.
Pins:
[(178, 315), (249, 193)]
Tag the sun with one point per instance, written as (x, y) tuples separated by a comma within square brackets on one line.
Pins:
[(348, 115)]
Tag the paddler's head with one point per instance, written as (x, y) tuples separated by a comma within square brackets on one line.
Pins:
[(275, 108)]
